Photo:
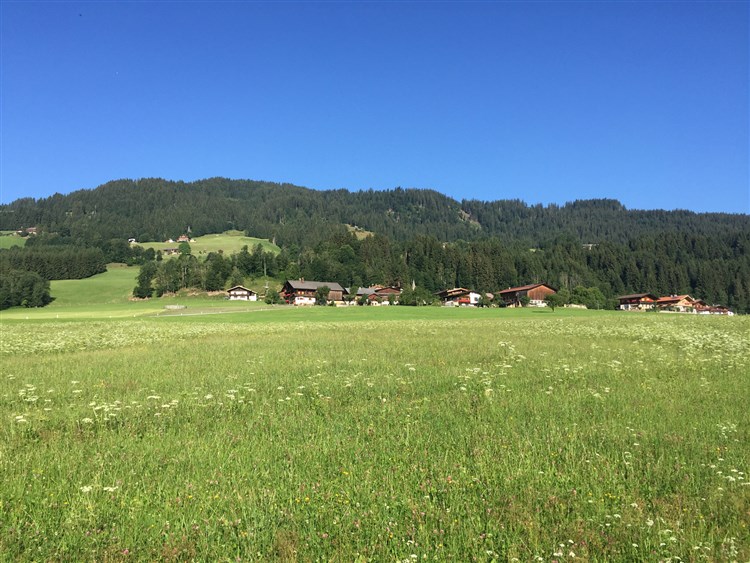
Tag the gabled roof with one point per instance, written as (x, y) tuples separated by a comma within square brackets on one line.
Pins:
[(240, 287), (374, 289), (388, 290), (453, 292), (638, 296), (673, 299), (313, 285), (525, 288), (365, 291)]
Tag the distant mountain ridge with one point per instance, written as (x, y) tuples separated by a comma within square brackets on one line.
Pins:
[(156, 209)]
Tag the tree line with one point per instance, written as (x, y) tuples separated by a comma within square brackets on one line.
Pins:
[(420, 237), (213, 273), (54, 263), (714, 269), (154, 209)]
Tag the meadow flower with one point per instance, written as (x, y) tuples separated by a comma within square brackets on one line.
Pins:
[(86, 488)]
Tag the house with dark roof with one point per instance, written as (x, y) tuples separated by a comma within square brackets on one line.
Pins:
[(459, 297), (637, 302), (536, 292), (379, 295), (301, 292), (240, 293)]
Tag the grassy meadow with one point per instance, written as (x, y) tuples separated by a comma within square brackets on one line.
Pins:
[(9, 239), (392, 433), (228, 242)]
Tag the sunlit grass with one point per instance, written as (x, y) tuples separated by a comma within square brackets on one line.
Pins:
[(9, 239), (376, 434), (228, 242), (109, 295)]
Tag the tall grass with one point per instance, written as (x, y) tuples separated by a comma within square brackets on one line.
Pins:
[(594, 437)]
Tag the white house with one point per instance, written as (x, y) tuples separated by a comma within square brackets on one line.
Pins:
[(239, 293)]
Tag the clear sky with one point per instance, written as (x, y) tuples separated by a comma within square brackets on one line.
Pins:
[(542, 101)]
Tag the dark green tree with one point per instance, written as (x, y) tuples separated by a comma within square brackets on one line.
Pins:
[(321, 295), (144, 287)]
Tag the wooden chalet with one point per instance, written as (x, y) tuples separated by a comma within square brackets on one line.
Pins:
[(676, 304), (702, 308), (378, 294), (637, 302), (536, 292), (382, 295), (719, 310), (301, 292), (240, 293), (459, 297)]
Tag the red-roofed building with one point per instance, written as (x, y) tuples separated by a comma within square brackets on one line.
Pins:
[(637, 302), (676, 304), (536, 292), (459, 296)]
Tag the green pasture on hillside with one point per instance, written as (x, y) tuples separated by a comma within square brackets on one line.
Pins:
[(9, 239), (375, 434), (109, 295), (228, 242)]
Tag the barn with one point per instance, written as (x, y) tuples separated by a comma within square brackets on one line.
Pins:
[(536, 292)]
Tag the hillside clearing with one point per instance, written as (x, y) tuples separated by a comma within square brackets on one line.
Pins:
[(9, 239), (228, 242)]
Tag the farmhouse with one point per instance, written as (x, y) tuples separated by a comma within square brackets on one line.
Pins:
[(637, 302), (239, 293), (459, 296), (676, 304), (670, 304), (719, 310), (536, 292), (301, 292), (379, 295), (703, 308)]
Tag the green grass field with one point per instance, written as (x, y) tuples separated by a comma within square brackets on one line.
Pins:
[(9, 239), (228, 242), (356, 434)]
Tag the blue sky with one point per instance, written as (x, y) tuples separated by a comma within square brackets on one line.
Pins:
[(545, 102)]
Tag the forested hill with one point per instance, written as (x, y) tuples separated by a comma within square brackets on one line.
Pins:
[(156, 209)]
